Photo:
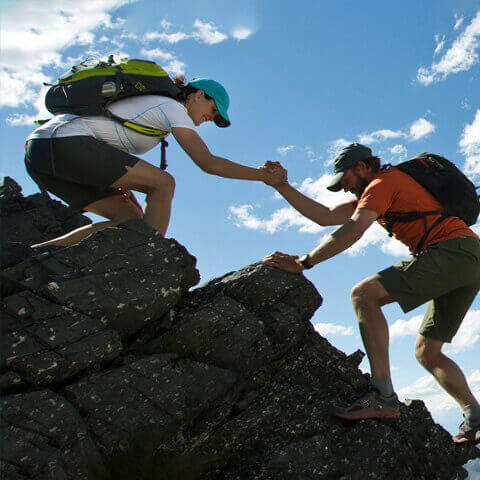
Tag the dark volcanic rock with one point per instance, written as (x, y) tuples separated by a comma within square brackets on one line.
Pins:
[(151, 381), (141, 411), (44, 343), (43, 437), (125, 276), (30, 220), (221, 320)]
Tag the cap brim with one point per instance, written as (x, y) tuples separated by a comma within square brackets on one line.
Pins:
[(335, 184), (221, 122)]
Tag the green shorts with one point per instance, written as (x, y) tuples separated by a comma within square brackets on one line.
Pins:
[(446, 273)]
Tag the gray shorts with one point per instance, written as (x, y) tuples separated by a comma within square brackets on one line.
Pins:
[(446, 273), (79, 170)]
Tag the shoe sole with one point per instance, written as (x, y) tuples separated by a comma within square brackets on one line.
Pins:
[(379, 414)]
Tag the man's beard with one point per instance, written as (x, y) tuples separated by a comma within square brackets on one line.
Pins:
[(362, 185)]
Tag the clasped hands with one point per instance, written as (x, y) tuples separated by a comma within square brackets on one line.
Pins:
[(276, 176)]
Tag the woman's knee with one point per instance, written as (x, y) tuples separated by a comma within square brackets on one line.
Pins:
[(164, 182)]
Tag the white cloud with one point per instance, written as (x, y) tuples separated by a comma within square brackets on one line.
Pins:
[(334, 149), (241, 33), (458, 21), (175, 67), (205, 32), (157, 53), (465, 104), (439, 43), (208, 33), (171, 38), (399, 151), (436, 399), (35, 37), (460, 57), (281, 219), (466, 338), (395, 248), (468, 335), (21, 119), (326, 329), (288, 217), (375, 235), (420, 128), (129, 35), (285, 149), (85, 38), (470, 145), (379, 136), (165, 24), (403, 328), (311, 155), (243, 216)]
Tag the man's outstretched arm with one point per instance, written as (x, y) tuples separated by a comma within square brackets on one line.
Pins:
[(315, 211), (342, 239)]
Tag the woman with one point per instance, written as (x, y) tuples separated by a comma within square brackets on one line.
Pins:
[(89, 163)]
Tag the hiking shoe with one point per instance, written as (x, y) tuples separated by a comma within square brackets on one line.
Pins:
[(467, 434), (370, 405)]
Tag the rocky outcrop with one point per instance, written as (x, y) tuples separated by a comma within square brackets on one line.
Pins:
[(113, 368), (29, 220)]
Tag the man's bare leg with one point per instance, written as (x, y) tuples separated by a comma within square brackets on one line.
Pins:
[(368, 297), (447, 373)]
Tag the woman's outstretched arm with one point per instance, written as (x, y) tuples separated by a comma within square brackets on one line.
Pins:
[(197, 150)]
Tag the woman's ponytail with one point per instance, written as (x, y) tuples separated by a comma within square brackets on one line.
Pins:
[(186, 89)]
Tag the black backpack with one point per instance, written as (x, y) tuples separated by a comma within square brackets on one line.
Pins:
[(88, 89), (447, 184)]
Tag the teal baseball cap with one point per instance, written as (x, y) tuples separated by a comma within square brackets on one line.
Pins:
[(220, 96), (346, 159)]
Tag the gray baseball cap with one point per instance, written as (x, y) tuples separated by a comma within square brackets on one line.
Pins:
[(347, 158)]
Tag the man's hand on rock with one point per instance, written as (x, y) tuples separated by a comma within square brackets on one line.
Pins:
[(275, 174), (283, 261)]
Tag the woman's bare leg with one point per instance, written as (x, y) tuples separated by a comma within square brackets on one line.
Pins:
[(116, 208), (143, 177), (159, 187)]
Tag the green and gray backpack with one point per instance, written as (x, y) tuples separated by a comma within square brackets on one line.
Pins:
[(88, 89)]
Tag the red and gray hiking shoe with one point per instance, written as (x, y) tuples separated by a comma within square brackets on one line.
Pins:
[(467, 434), (370, 405)]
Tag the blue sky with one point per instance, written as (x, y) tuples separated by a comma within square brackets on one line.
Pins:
[(305, 78)]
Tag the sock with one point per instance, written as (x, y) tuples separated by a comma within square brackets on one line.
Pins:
[(472, 414), (383, 385)]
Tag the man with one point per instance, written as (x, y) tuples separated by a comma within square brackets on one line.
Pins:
[(446, 272)]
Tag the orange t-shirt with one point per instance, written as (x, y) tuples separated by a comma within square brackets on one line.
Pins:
[(395, 191)]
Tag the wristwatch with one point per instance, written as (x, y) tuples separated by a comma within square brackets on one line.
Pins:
[(305, 261)]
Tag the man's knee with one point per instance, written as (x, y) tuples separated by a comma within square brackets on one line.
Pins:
[(363, 292), (427, 351), (370, 291)]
